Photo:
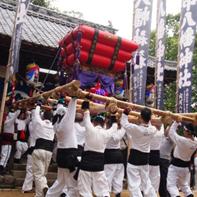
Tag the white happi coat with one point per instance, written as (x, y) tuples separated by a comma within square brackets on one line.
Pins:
[(115, 172), (41, 158), (96, 139), (154, 170), (8, 129), (138, 175), (66, 138), (179, 177)]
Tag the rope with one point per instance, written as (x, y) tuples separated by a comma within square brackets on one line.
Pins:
[(58, 51)]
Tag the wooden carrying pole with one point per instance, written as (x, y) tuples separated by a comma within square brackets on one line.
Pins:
[(67, 88), (96, 108), (73, 87), (5, 89)]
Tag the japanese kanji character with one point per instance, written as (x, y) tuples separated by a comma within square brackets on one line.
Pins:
[(188, 19), (141, 17), (188, 3), (185, 59), (185, 79), (140, 37), (187, 37)]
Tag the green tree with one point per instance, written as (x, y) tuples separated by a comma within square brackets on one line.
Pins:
[(172, 25), (42, 3), (172, 36), (170, 97), (152, 47), (172, 39), (73, 13)]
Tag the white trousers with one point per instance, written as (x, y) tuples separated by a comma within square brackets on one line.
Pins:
[(115, 176), (96, 181), (154, 174), (64, 183), (28, 182), (138, 178), (5, 154), (40, 163), (21, 148), (178, 178)]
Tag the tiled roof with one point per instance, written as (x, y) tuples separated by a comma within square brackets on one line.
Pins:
[(168, 65), (43, 26), (46, 27)]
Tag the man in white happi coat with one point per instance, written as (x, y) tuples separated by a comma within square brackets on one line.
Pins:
[(66, 152), (178, 173), (22, 135), (7, 139), (92, 177), (114, 162), (80, 134), (42, 153), (166, 148), (137, 167), (28, 182), (195, 175), (154, 170)]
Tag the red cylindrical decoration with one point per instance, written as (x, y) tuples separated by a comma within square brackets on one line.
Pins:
[(98, 49)]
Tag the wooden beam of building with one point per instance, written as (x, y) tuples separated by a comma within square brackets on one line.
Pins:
[(2, 71)]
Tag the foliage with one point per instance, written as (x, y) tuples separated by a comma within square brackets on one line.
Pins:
[(171, 52), (42, 3), (47, 4), (73, 13), (172, 38), (171, 48), (172, 25), (170, 97), (152, 47)]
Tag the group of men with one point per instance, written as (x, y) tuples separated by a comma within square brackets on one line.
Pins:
[(88, 153)]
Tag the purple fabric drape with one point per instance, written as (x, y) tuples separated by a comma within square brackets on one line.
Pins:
[(89, 79)]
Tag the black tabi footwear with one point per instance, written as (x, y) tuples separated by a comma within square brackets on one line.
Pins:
[(45, 191), (63, 195)]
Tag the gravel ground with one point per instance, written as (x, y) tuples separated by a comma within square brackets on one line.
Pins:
[(17, 193)]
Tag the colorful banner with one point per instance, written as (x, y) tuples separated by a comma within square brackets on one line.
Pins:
[(141, 35), (21, 12), (160, 53), (186, 46)]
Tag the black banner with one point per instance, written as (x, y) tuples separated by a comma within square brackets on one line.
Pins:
[(186, 46), (17, 34), (160, 53), (141, 35)]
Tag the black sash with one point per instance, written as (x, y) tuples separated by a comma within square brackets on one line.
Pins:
[(44, 144), (7, 138), (180, 163), (67, 158), (154, 157), (30, 150), (138, 158), (80, 150), (113, 156), (92, 161)]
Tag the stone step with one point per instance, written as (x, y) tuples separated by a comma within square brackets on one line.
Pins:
[(52, 167), (21, 174), (7, 186), (19, 182), (7, 181)]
